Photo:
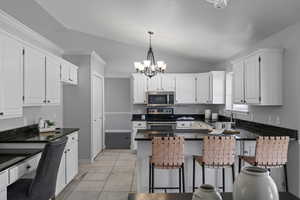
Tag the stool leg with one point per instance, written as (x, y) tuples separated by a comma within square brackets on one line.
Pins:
[(223, 178), (179, 169), (233, 173), (194, 174), (203, 174), (183, 179), (240, 164), (286, 178), (150, 177)]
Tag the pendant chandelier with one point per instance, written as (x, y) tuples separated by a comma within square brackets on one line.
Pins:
[(219, 3), (150, 67)]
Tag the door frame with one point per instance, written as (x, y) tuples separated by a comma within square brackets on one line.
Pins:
[(103, 116)]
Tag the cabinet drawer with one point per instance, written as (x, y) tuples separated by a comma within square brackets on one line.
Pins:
[(139, 125), (23, 168), (184, 124), (3, 180)]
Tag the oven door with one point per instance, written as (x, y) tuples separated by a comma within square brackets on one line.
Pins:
[(161, 126)]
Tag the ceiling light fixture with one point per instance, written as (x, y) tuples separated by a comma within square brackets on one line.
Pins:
[(219, 3), (149, 67)]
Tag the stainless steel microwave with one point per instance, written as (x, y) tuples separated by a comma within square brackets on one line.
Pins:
[(160, 98)]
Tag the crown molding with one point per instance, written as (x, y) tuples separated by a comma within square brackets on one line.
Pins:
[(10, 24)]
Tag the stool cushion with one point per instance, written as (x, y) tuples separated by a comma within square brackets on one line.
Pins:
[(248, 159), (19, 190)]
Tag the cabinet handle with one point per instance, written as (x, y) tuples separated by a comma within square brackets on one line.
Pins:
[(44, 101), (28, 167), (242, 101), (48, 101), (69, 150), (1, 113)]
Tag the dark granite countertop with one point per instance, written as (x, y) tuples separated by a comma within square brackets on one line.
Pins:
[(30, 134), (11, 157), (190, 134), (189, 196)]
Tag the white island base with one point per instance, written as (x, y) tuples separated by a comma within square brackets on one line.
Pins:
[(169, 178)]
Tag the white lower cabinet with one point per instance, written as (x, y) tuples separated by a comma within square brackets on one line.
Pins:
[(135, 126), (68, 168), (3, 185)]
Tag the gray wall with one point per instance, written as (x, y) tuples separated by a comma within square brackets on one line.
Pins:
[(77, 107), (117, 104), (289, 113)]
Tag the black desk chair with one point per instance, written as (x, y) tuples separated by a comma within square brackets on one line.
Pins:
[(42, 187)]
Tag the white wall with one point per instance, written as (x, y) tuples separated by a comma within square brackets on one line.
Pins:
[(289, 113)]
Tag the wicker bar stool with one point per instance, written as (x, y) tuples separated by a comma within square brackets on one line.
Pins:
[(167, 153), (218, 152), (270, 152)]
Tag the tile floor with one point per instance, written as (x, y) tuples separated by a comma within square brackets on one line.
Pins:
[(110, 177)]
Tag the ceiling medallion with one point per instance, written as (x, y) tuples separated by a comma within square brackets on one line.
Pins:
[(149, 67), (219, 3)]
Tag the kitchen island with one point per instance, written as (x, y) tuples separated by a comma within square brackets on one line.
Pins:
[(193, 146)]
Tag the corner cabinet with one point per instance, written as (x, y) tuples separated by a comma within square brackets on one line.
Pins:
[(257, 78), (139, 84), (69, 73), (211, 87), (11, 78), (186, 89)]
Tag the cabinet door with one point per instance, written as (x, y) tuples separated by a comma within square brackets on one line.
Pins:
[(217, 87), (34, 77), (70, 156), (65, 72), (52, 81), (154, 83), (168, 82), (11, 66), (185, 89), (139, 88), (61, 174), (203, 88), (238, 82), (252, 80), (73, 75)]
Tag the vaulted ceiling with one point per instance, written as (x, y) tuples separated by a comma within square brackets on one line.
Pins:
[(189, 27)]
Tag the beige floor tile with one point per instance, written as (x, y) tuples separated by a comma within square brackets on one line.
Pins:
[(104, 163), (125, 163), (114, 196), (95, 176), (123, 169), (90, 186), (107, 158), (81, 195)]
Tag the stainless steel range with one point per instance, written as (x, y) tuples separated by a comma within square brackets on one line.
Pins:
[(161, 119)]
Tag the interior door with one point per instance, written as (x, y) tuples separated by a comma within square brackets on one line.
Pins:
[(12, 77), (203, 88), (34, 77), (238, 82), (97, 114), (252, 80), (52, 81)]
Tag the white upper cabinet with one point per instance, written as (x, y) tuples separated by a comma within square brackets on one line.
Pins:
[(69, 73), (139, 88), (34, 77), (52, 80), (203, 88), (11, 78), (217, 87), (168, 82), (154, 83), (258, 78), (211, 87), (238, 82), (185, 89)]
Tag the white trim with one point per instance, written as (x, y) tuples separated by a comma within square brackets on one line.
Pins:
[(98, 57), (86, 53), (28, 32), (117, 131), (118, 113)]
